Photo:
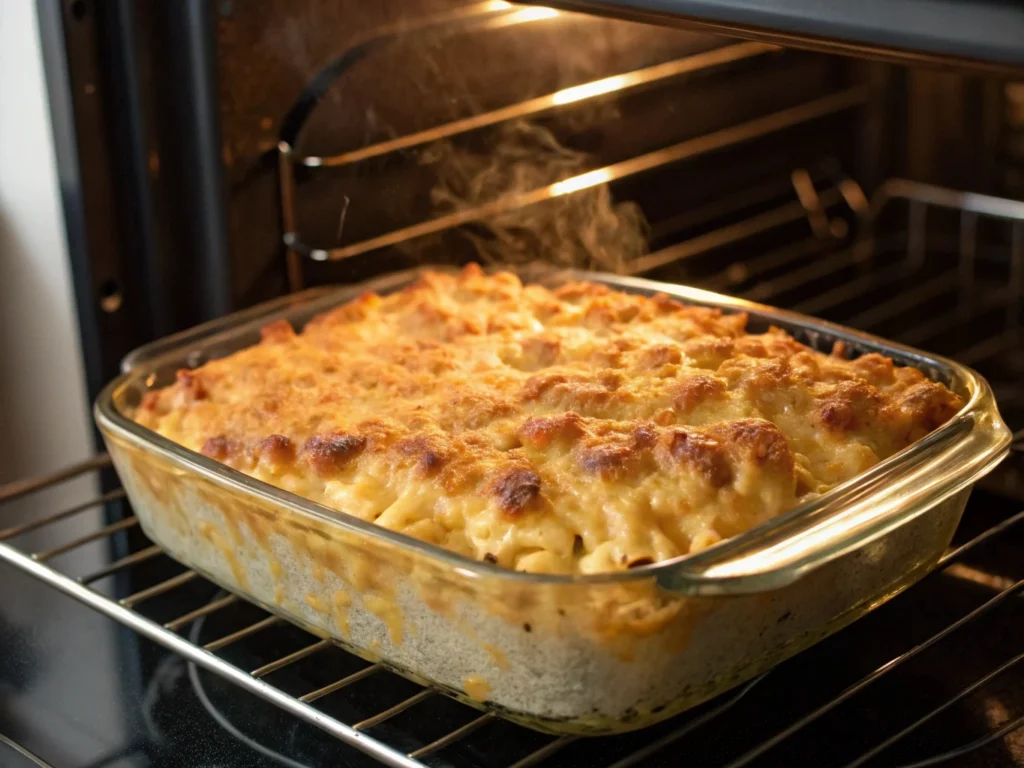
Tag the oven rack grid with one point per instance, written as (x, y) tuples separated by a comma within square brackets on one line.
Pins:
[(297, 248), (174, 634), (484, 17)]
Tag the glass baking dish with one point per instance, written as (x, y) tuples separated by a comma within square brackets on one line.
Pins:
[(592, 653)]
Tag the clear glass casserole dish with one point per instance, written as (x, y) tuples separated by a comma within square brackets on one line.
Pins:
[(565, 653)]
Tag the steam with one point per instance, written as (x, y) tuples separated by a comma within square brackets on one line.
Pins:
[(585, 230)]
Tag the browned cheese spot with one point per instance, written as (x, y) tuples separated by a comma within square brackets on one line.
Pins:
[(516, 490), (220, 447), (696, 389), (330, 453), (617, 455), (276, 449), (542, 431), (850, 407), (705, 454), (930, 403), (192, 384), (427, 453), (659, 355), (765, 442)]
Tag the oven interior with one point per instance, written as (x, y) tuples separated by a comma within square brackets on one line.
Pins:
[(354, 140)]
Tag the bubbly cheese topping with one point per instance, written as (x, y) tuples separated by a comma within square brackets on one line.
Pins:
[(580, 429)]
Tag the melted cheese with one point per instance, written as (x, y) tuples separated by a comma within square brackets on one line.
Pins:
[(576, 430)]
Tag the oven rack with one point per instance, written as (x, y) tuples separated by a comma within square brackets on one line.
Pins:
[(483, 17), (99, 591)]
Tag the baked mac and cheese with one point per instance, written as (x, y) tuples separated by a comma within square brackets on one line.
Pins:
[(574, 430)]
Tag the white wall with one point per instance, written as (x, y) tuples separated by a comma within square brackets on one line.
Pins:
[(42, 393), (44, 413)]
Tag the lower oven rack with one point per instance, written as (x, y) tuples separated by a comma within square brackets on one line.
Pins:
[(181, 634)]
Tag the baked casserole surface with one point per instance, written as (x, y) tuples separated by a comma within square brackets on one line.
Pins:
[(574, 430)]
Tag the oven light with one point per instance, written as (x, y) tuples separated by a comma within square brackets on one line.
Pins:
[(534, 14), (588, 90), (583, 181), (522, 15)]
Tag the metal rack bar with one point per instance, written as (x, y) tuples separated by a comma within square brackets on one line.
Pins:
[(284, 661), (1013, 308), (811, 202), (742, 272), (720, 206), (977, 541), (799, 277), (24, 751), (579, 93), (916, 233), (124, 562), (286, 181), (926, 194), (102, 533), (968, 257), (762, 222), (887, 310), (978, 576), (545, 752), (451, 738), (205, 659), (158, 589), (986, 348), (882, 746), (937, 326), (337, 685), (692, 725), (400, 707), (18, 488), (851, 289), (864, 682), (725, 137), (243, 633), (8, 533), (206, 610), (966, 749)]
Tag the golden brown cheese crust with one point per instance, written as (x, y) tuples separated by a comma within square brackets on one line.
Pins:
[(576, 430)]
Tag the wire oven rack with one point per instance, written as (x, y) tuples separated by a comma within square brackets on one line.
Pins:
[(488, 16), (373, 731)]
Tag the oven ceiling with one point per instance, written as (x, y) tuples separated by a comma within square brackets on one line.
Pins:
[(974, 33)]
